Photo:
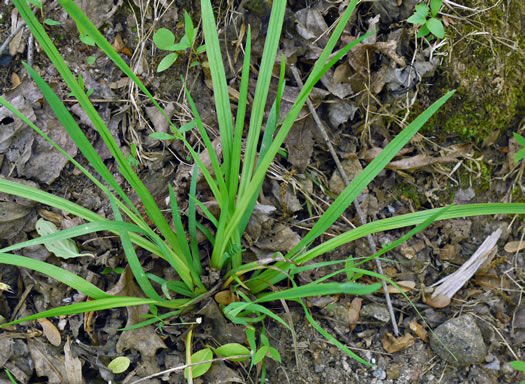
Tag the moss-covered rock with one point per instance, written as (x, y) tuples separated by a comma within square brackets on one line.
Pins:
[(486, 64)]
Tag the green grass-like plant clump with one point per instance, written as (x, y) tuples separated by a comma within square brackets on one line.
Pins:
[(235, 183)]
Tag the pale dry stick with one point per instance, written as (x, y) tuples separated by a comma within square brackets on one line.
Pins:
[(11, 37), (371, 242), (453, 5), (180, 367)]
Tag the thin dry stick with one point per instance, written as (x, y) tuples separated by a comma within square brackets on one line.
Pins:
[(11, 37), (371, 242)]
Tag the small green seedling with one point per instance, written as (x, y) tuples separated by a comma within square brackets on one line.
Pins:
[(521, 141), (39, 5), (264, 351), (166, 136), (518, 366), (81, 83), (164, 39), (133, 156), (428, 24)]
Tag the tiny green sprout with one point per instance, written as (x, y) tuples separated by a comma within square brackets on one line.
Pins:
[(133, 156), (521, 141), (51, 22), (428, 24), (164, 39), (91, 60)]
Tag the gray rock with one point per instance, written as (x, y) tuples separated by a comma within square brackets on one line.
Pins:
[(463, 338), (376, 311)]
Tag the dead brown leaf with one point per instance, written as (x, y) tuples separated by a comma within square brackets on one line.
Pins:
[(51, 332), (15, 80), (514, 246), (438, 301), (120, 46), (393, 344), (419, 330), (73, 365), (226, 297), (354, 310), (406, 286)]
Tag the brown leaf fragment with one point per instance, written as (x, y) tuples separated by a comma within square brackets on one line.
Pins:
[(491, 281), (438, 301), (393, 344), (120, 46), (50, 331), (47, 363), (406, 286), (419, 330), (226, 297), (354, 310), (15, 80), (73, 365), (514, 246)]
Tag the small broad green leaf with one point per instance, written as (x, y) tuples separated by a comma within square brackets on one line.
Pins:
[(166, 62), (423, 31), (518, 365), (233, 349), (164, 39), (274, 354), (420, 15), (51, 22), (197, 357), (250, 336), (161, 136), (91, 60), (87, 40), (435, 6), (520, 155), (183, 44), (187, 126), (90, 92), (201, 49), (188, 27), (260, 354), (194, 64), (521, 141), (422, 10), (61, 248), (417, 19), (435, 26), (119, 364)]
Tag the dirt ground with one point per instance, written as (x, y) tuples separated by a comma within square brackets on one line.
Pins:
[(465, 154)]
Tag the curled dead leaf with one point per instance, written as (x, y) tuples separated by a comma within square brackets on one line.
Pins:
[(226, 297), (393, 344), (419, 330), (438, 301)]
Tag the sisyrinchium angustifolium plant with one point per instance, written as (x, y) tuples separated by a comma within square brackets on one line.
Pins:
[(427, 19), (235, 182)]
